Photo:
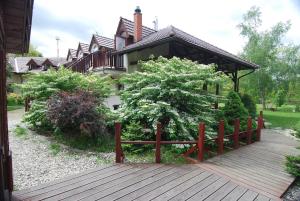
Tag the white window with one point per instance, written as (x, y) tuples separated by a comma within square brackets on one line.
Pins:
[(120, 43), (94, 48), (80, 54)]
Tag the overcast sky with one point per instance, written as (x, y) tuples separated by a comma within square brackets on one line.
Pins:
[(214, 21)]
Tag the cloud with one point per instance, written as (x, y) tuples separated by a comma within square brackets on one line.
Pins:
[(213, 21)]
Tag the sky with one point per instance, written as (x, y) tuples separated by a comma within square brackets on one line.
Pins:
[(214, 21)]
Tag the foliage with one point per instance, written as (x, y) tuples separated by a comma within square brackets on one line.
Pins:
[(280, 97), (170, 91), (32, 52), (293, 165), (287, 108), (54, 148), (249, 104), (20, 131), (76, 112), (234, 109), (39, 87), (14, 107), (279, 63), (14, 99)]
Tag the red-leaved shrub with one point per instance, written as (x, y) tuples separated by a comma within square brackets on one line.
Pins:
[(76, 113)]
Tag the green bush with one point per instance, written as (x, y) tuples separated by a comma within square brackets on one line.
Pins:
[(14, 99), (40, 86), (293, 165), (234, 109), (249, 104), (280, 98), (170, 91), (297, 109), (287, 108)]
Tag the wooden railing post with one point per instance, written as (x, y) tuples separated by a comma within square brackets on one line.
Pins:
[(157, 145), (259, 127), (118, 142), (249, 130), (236, 133), (200, 144), (10, 173), (221, 137)]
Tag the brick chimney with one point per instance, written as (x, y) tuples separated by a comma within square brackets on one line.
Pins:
[(137, 24)]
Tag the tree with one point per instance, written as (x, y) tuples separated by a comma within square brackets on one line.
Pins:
[(277, 61), (170, 91), (32, 52)]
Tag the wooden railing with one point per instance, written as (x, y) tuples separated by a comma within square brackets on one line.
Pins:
[(199, 144), (106, 59)]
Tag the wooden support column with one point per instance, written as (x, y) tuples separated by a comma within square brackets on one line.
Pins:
[(221, 137), (118, 142), (200, 144), (217, 93), (249, 130), (157, 144), (236, 134), (259, 127)]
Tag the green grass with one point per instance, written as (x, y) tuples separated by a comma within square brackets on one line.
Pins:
[(283, 119), (20, 131), (14, 107), (54, 148)]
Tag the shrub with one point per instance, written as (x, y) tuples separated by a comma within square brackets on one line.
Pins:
[(40, 86), (293, 165), (14, 99), (20, 131), (249, 104), (287, 108), (280, 97), (76, 113), (297, 109), (234, 109), (170, 91)]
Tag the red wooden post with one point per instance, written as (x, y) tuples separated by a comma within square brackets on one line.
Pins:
[(201, 141), (118, 142), (236, 133), (221, 137), (259, 127), (249, 130), (157, 145)]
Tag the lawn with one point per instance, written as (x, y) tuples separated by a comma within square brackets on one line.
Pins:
[(282, 119), (14, 107)]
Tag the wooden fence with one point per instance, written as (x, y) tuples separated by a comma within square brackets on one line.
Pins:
[(199, 144)]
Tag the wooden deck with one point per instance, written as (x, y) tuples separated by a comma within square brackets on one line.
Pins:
[(254, 172)]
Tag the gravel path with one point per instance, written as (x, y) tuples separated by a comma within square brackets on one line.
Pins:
[(34, 162)]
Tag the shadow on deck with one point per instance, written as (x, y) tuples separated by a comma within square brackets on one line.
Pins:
[(254, 172)]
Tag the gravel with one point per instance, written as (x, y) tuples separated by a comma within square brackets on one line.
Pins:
[(34, 162)]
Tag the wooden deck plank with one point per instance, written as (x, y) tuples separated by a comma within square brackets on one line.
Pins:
[(205, 193), (236, 194), (248, 196), (153, 194), (262, 198), (81, 191), (222, 192), (182, 187), (195, 188)]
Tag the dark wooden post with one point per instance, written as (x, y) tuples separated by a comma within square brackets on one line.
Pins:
[(200, 144), (10, 173), (236, 133), (118, 142), (217, 93), (249, 130), (221, 137), (157, 145), (259, 127)]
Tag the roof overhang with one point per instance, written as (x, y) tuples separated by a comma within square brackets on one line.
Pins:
[(17, 24)]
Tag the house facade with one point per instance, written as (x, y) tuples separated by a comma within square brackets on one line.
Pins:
[(134, 42)]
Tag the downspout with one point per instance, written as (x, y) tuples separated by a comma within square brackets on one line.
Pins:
[(238, 80)]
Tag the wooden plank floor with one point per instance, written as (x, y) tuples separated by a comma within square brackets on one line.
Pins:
[(255, 172)]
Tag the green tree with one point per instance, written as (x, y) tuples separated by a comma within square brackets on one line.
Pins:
[(265, 48), (32, 52), (170, 91)]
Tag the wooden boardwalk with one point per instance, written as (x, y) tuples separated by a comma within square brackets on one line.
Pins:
[(254, 172)]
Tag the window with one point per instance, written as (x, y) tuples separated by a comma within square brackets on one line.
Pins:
[(120, 43), (80, 54), (94, 48)]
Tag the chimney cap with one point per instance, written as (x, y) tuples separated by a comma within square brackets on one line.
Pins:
[(137, 10)]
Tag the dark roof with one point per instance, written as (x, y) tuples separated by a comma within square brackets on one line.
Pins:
[(19, 64), (72, 52), (104, 41), (171, 32), (56, 62), (84, 47), (37, 60), (130, 28)]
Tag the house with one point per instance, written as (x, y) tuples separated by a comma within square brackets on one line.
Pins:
[(71, 55), (35, 63), (54, 62), (82, 50), (134, 42)]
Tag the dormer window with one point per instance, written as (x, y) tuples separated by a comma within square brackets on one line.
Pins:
[(120, 43), (80, 54), (94, 48)]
